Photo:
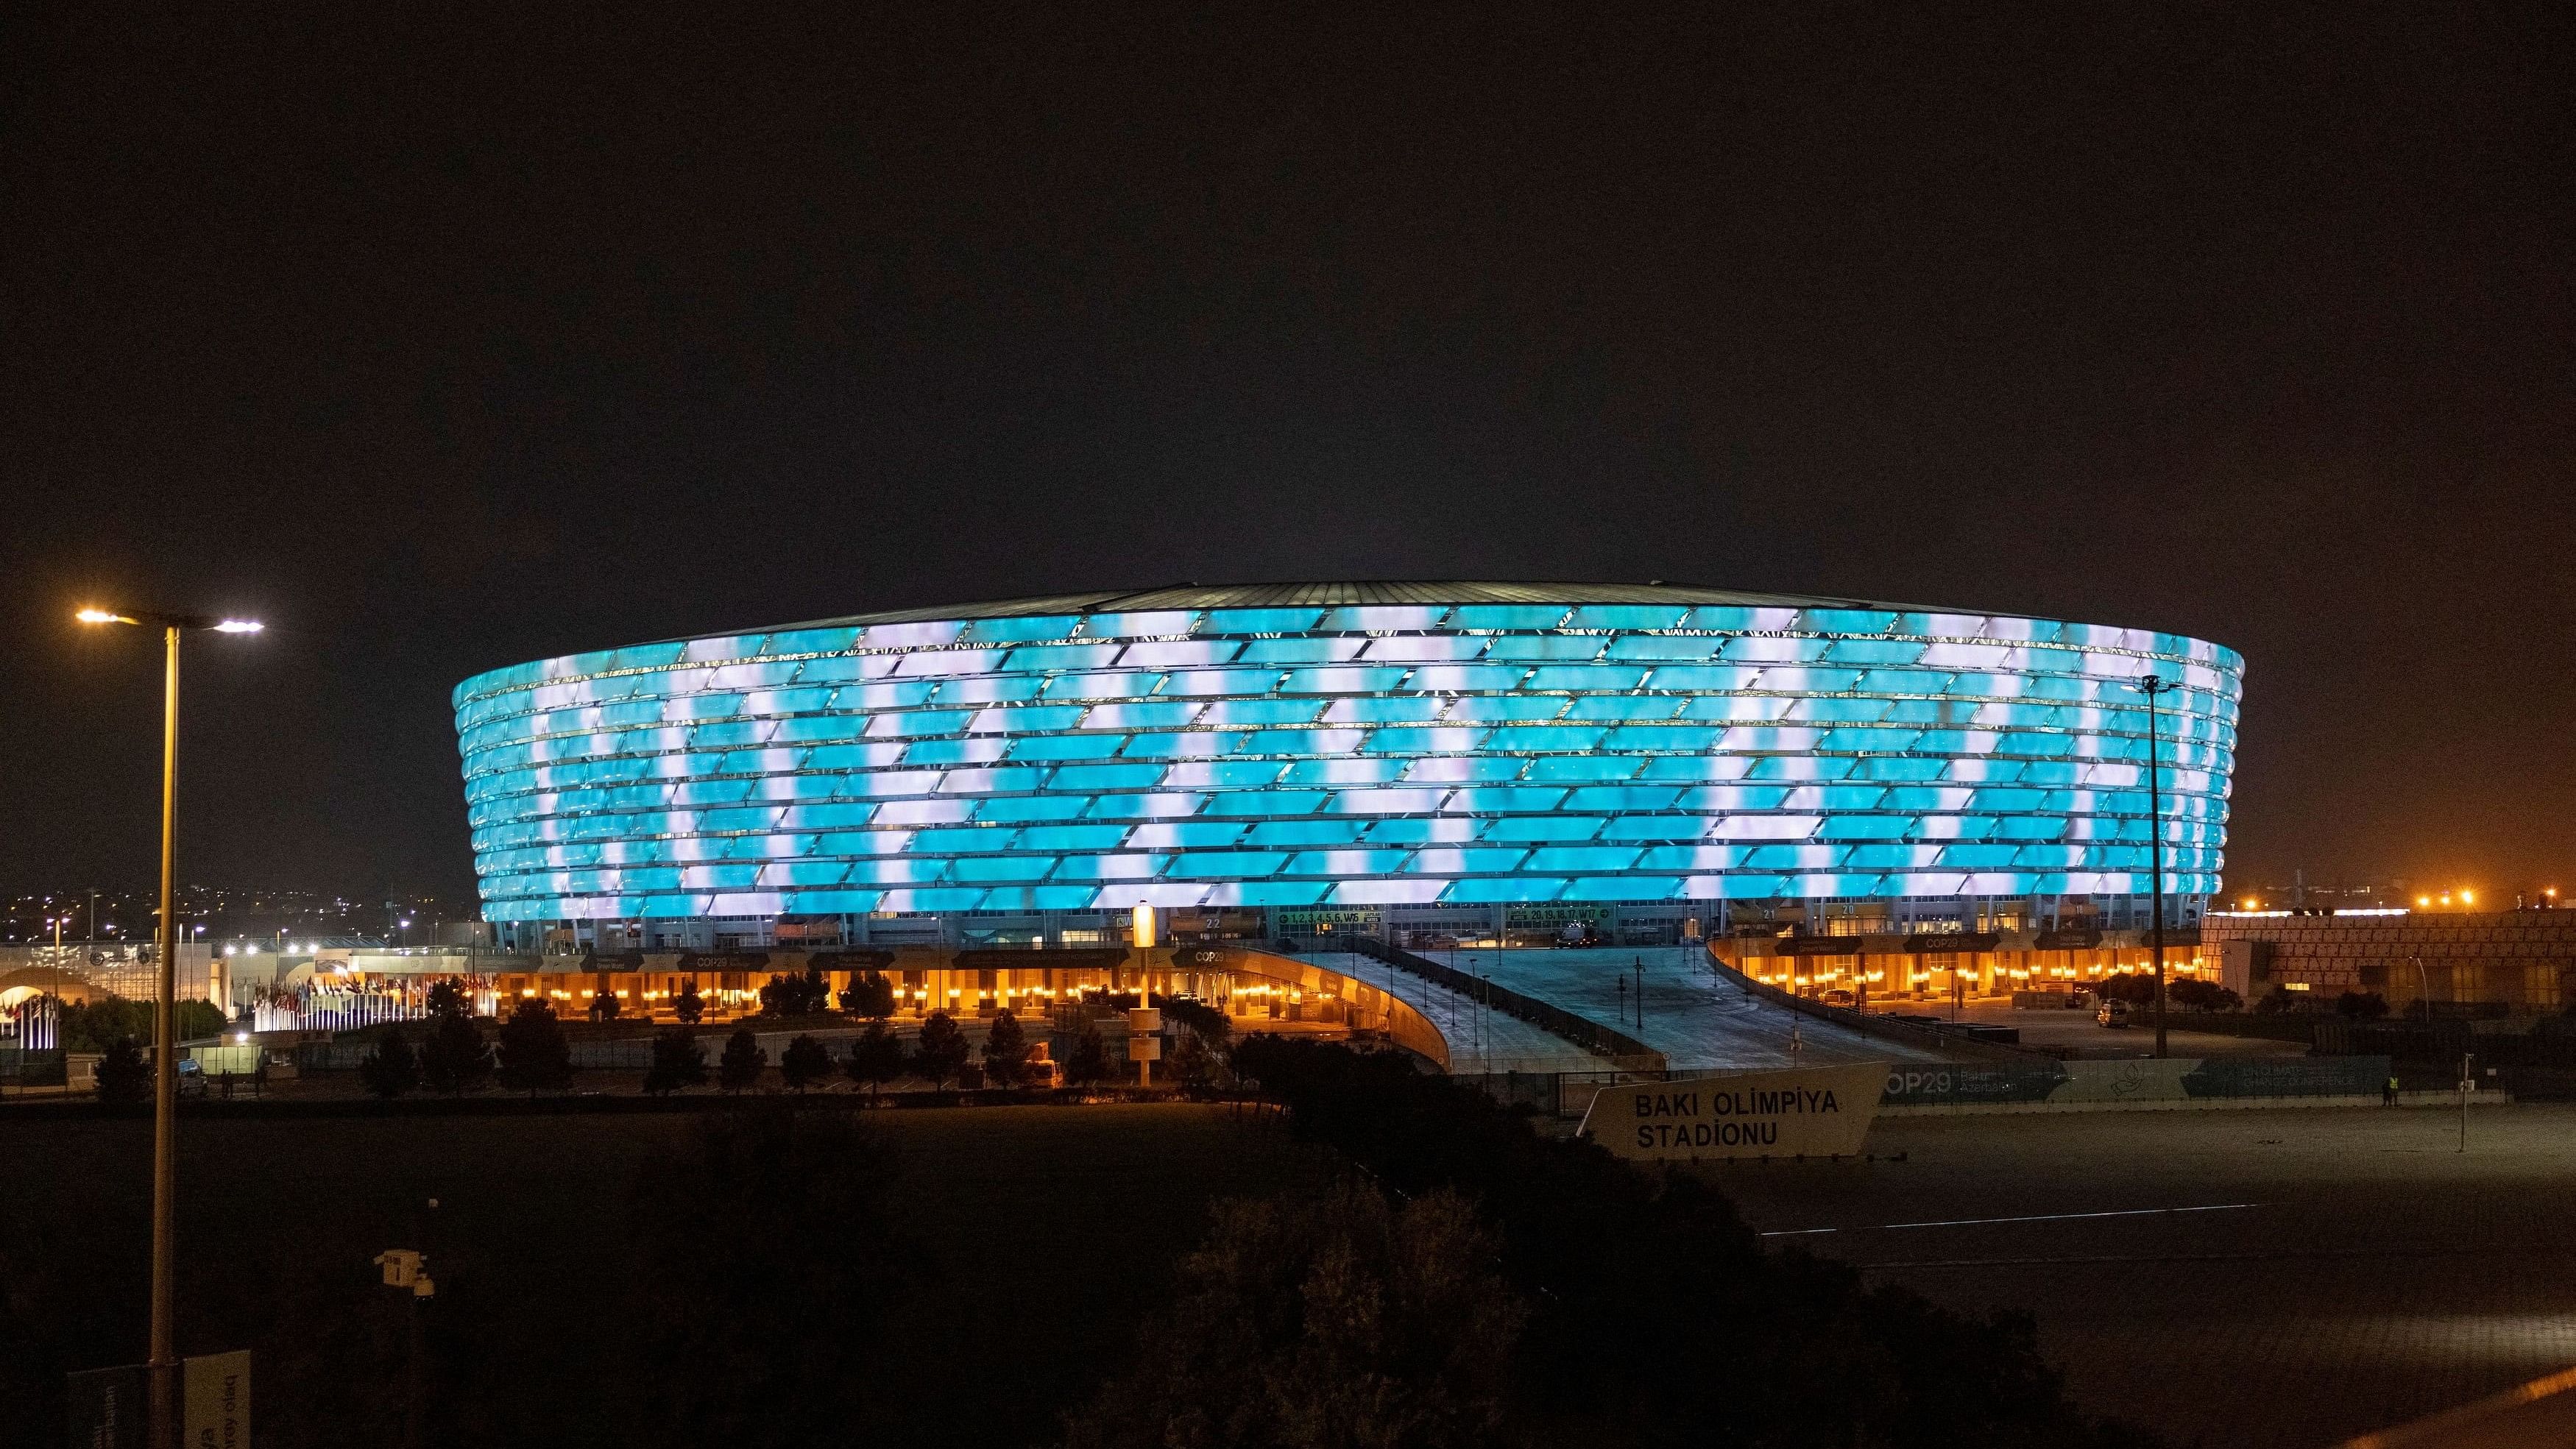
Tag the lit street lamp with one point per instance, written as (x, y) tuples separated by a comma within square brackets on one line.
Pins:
[(164, 1362)]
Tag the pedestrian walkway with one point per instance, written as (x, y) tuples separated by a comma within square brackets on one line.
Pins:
[(1480, 1038), (1698, 1024)]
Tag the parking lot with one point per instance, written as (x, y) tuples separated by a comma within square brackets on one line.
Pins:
[(2240, 1277)]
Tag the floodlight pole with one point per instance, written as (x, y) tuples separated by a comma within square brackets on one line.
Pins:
[(164, 1362)]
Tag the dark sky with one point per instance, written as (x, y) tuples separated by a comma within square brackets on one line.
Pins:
[(445, 343)]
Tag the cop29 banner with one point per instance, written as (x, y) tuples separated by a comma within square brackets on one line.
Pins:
[(1801, 1112)]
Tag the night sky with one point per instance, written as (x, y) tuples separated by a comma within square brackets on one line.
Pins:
[(444, 344)]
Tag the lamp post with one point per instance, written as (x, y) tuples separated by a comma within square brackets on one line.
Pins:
[(163, 1364), (2153, 685)]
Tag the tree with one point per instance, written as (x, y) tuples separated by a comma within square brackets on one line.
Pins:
[(456, 1060), (878, 1003), (740, 1067), (940, 1056), (1006, 1051), (1330, 1322), (1194, 1067), (876, 1058), (1088, 1062), (2361, 1006), (123, 1076), (535, 1054), (94, 1026), (871, 996), (804, 1061), (393, 1068), (796, 995), (686, 1004), (448, 996), (1199, 1017), (2135, 988), (678, 1061)]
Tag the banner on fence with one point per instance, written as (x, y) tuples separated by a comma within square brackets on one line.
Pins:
[(1802, 1112), (2136, 1079)]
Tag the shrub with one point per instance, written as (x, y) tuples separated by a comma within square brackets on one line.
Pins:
[(686, 1004), (123, 1076), (2361, 1006)]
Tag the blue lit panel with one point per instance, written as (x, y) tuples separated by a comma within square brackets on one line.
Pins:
[(1489, 744)]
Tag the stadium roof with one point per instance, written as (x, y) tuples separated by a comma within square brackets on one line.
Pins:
[(1261, 596)]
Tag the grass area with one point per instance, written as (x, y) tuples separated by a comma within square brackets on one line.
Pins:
[(1039, 1235)]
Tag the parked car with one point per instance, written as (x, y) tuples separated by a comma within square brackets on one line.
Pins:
[(2113, 1013), (1839, 997)]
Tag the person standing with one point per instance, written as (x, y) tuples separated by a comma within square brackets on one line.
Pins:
[(2388, 1094)]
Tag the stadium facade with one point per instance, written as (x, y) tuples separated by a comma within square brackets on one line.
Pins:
[(1277, 760)]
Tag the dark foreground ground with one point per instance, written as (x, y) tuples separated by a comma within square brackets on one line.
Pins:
[(1041, 1235), (2351, 1270)]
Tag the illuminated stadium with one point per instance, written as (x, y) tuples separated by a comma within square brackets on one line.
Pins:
[(1477, 759)]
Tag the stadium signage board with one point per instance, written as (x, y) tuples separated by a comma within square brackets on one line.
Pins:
[(1800, 1112)]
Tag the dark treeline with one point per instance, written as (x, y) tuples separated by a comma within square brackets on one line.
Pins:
[(1640, 1309)]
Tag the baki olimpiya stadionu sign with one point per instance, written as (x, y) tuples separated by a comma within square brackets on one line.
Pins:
[(1328, 745), (1799, 1112)]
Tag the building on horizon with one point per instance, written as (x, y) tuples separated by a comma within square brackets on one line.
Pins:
[(1469, 760)]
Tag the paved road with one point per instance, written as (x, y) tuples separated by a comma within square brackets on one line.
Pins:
[(1696, 1023), (2341, 1269), (2074, 1032)]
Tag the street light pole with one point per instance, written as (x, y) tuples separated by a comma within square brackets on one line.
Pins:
[(163, 1363), (2152, 685)]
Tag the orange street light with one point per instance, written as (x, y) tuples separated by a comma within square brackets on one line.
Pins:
[(163, 1365)]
